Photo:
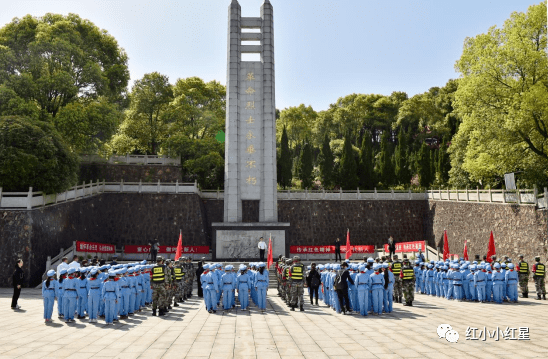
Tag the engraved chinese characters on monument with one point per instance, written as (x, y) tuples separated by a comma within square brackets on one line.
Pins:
[(250, 146)]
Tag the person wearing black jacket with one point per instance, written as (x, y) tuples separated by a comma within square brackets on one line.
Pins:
[(391, 246), (313, 281), (199, 272), (338, 250), (18, 279), (342, 292)]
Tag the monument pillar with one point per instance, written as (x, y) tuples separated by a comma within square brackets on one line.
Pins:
[(250, 146)]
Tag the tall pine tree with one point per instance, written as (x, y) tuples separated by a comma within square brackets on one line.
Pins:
[(285, 163), (349, 167), (423, 166), (402, 171), (326, 163), (366, 168), (306, 166), (386, 168)]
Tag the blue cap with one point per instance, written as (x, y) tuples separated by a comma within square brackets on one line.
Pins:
[(370, 260), (417, 261), (242, 267), (497, 265), (511, 265), (51, 273), (227, 267), (123, 270), (71, 270), (263, 265), (503, 265), (362, 268), (206, 266), (337, 267), (144, 262), (112, 273), (385, 265), (376, 266), (445, 267), (93, 271)]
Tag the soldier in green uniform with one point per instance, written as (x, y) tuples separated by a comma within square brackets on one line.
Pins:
[(279, 264), (158, 282), (178, 280), (523, 275), (287, 283), (297, 279), (407, 276), (191, 272), (169, 285), (184, 281), (539, 272), (396, 270)]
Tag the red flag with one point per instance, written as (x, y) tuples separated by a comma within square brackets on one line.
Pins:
[(179, 246), (348, 248), (491, 249), (269, 259), (446, 253), (465, 254)]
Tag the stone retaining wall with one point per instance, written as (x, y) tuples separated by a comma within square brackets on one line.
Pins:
[(132, 218), (129, 173)]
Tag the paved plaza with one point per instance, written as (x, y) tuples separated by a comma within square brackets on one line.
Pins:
[(190, 332)]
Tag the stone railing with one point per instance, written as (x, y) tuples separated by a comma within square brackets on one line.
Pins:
[(133, 159), (29, 200), (518, 196)]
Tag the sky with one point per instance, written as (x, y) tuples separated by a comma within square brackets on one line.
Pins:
[(324, 49)]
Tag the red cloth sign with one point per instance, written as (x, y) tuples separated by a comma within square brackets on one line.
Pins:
[(94, 247), (408, 246), (167, 249), (329, 249)]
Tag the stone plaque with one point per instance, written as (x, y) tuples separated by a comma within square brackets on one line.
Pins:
[(242, 244)]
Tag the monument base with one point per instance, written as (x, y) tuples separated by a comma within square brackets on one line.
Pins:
[(238, 241)]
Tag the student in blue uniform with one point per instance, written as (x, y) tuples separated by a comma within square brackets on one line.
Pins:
[(70, 295), (363, 283), (456, 278), (94, 289), (132, 282), (498, 283), (325, 285), (81, 288), (244, 287), (511, 279), (125, 293), (111, 293), (377, 284), (226, 285), (465, 282), (417, 270), (61, 292), (49, 293), (488, 283), (261, 286), (480, 278)]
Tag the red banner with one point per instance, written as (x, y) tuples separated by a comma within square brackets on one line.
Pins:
[(167, 249), (408, 246), (329, 249), (94, 247)]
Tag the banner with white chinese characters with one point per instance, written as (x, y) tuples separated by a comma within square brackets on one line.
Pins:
[(94, 247), (408, 246), (131, 249), (329, 249)]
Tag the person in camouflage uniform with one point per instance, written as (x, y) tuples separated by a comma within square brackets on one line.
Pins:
[(396, 269), (159, 284), (279, 263), (297, 280), (285, 279), (539, 272), (178, 281), (169, 285), (523, 275), (191, 272), (407, 276)]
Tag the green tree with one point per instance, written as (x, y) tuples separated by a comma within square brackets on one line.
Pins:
[(298, 122), (32, 154), (348, 167), (386, 168), (402, 171), (423, 166), (54, 60), (285, 162), (325, 160), (366, 168), (306, 166), (145, 126), (502, 98)]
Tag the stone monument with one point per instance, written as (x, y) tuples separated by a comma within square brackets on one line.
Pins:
[(250, 147)]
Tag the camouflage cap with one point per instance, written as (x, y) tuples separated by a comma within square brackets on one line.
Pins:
[(296, 258), (537, 258), (159, 258), (520, 256)]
